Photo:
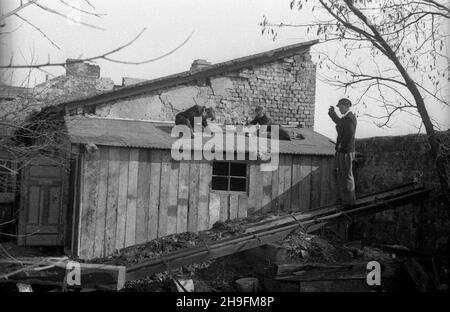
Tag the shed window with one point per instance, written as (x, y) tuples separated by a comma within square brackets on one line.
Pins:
[(229, 176)]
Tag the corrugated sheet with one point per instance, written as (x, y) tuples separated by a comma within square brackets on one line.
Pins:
[(157, 135)]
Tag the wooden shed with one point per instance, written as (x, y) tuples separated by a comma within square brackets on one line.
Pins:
[(125, 188)]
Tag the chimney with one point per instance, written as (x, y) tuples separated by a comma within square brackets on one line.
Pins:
[(77, 68), (199, 65)]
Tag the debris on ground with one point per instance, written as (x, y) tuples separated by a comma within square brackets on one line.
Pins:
[(313, 248), (221, 274), (13, 258), (217, 275), (152, 249)]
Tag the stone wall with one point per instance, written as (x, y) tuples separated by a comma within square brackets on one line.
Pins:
[(390, 161), (285, 87), (81, 80), (82, 69)]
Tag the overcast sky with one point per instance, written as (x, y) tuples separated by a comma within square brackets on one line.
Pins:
[(223, 30)]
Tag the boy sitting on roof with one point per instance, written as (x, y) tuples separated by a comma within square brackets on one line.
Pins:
[(187, 117), (262, 118)]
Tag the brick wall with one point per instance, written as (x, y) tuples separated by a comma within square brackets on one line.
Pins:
[(285, 87), (82, 69), (389, 161)]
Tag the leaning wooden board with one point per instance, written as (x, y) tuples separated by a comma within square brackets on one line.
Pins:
[(152, 267), (271, 231), (92, 276), (302, 272)]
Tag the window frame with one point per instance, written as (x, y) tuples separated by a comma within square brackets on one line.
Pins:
[(229, 176)]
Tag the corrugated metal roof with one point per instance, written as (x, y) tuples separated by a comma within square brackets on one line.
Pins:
[(157, 135)]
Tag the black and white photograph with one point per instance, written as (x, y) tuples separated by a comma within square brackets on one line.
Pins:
[(234, 149)]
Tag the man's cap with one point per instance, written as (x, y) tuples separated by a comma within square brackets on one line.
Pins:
[(345, 102)]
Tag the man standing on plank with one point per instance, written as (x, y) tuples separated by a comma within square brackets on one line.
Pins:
[(345, 151)]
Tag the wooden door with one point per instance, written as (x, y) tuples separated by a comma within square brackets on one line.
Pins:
[(43, 204)]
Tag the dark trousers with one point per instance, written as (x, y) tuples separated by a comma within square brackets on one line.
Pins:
[(182, 120), (282, 133), (344, 177)]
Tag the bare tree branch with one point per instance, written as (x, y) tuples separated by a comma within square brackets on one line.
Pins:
[(411, 36), (152, 59), (39, 30), (104, 56), (80, 10), (48, 9), (16, 10)]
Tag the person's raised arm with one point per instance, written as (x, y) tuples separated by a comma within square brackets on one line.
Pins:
[(333, 114)]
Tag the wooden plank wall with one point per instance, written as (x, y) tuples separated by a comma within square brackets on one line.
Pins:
[(131, 196), (301, 182)]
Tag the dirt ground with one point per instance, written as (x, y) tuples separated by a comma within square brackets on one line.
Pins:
[(217, 275)]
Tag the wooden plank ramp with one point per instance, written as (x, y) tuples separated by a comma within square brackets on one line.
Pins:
[(276, 229)]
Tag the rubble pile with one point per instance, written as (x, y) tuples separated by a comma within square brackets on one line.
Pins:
[(152, 249), (313, 248), (220, 274)]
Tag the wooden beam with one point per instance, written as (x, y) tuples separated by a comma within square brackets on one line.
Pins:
[(156, 265), (130, 226), (92, 276), (330, 209), (306, 272)]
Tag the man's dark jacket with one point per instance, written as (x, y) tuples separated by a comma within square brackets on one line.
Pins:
[(264, 120), (346, 128), (189, 114)]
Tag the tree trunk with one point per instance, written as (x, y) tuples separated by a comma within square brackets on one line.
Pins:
[(435, 145)]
